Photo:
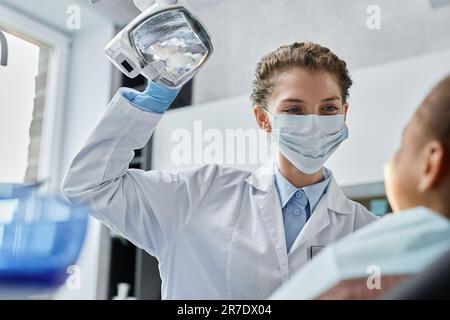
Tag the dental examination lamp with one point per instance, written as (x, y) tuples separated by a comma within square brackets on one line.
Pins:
[(165, 43)]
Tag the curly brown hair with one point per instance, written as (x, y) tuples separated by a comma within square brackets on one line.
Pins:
[(307, 55)]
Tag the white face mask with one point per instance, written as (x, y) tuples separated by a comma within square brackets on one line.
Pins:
[(308, 141)]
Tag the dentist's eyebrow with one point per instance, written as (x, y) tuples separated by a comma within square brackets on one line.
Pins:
[(331, 99), (293, 100)]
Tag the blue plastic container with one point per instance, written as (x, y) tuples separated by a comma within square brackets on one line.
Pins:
[(40, 237)]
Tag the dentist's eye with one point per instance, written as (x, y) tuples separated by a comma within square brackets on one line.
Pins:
[(292, 110), (329, 109)]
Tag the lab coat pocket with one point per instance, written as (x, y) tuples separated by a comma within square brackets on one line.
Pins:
[(253, 270)]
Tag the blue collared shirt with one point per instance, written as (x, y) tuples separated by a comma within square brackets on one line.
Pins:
[(298, 204)]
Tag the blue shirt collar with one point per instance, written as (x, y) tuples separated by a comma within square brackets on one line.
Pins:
[(313, 192)]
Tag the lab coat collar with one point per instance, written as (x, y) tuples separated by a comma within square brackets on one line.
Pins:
[(263, 179), (336, 199)]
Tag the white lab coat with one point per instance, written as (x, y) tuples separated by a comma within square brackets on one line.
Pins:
[(217, 232)]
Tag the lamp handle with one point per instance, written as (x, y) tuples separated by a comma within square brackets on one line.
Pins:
[(4, 52), (143, 5)]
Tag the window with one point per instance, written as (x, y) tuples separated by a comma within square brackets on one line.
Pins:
[(32, 94), (23, 82)]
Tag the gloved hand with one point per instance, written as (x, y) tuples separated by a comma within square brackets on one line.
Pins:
[(156, 98)]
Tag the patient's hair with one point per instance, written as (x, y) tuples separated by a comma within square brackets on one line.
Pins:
[(307, 55), (436, 112)]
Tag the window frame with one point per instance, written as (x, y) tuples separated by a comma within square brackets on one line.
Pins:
[(49, 170)]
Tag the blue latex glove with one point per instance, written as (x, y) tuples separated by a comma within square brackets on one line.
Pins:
[(156, 98)]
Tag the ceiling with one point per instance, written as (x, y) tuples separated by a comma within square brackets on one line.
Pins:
[(123, 11), (54, 12), (120, 12)]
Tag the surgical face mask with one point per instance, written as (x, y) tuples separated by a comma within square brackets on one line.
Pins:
[(308, 141)]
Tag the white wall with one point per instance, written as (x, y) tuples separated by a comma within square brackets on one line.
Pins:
[(243, 31), (382, 101)]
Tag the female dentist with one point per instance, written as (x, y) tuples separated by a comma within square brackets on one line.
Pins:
[(222, 233)]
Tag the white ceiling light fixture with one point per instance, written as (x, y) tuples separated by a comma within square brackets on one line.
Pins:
[(165, 43)]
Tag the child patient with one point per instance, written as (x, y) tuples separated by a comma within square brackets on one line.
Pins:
[(376, 258)]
